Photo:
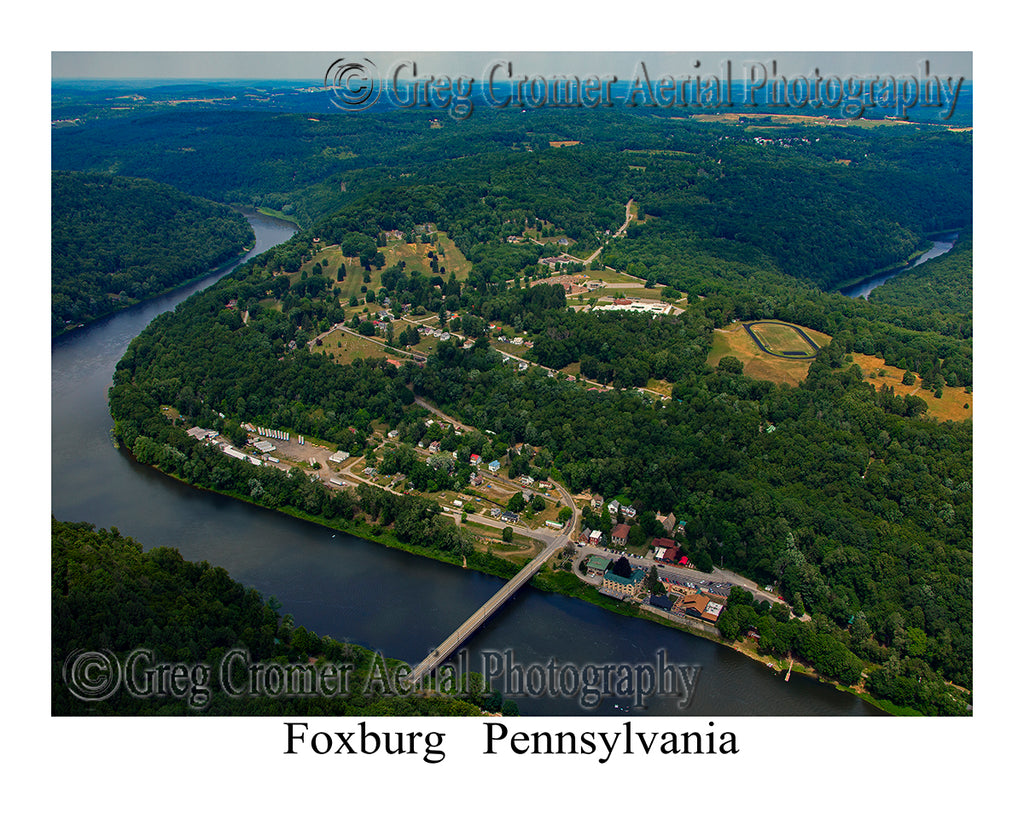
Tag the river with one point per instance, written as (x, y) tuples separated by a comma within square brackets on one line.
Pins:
[(863, 288), (399, 604)]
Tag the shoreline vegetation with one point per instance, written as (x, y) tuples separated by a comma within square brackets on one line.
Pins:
[(172, 289), (898, 266), (119, 241), (551, 581), (231, 627), (277, 214), (467, 557)]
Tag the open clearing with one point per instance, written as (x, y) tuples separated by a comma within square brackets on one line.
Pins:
[(782, 339), (346, 348), (956, 403), (734, 340), (397, 250)]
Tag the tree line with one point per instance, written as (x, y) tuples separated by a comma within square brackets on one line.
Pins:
[(117, 241), (109, 594)]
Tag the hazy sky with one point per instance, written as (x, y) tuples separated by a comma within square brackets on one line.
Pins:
[(313, 65)]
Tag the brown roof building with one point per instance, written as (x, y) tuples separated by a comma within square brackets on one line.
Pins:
[(697, 605), (620, 534)]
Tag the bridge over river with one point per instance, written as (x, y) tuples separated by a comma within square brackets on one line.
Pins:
[(480, 616)]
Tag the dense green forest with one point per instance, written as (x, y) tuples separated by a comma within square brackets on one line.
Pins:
[(859, 199), (118, 240), (848, 498), (109, 595), (944, 284)]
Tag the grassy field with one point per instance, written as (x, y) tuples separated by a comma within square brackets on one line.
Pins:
[(612, 277), (660, 387), (735, 341), (414, 256), (347, 347), (782, 339), (956, 403)]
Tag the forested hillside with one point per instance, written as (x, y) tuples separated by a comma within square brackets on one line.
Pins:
[(826, 204), (942, 285), (116, 241)]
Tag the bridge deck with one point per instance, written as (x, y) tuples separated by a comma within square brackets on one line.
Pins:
[(479, 617)]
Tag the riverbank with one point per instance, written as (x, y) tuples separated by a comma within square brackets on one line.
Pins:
[(363, 529), (747, 647), (884, 274), (236, 257), (380, 598), (891, 270), (276, 214), (549, 580)]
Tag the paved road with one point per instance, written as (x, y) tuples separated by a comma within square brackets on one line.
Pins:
[(555, 542), (596, 253), (717, 575), (480, 616)]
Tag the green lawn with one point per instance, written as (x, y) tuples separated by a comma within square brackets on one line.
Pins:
[(781, 338)]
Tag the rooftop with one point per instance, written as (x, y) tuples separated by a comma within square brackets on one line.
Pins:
[(634, 578)]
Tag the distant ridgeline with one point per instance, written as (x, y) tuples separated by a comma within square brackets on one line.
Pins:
[(856, 506), (116, 241), (151, 611)]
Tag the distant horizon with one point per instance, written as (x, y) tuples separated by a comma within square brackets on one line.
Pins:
[(288, 80), (298, 66)]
